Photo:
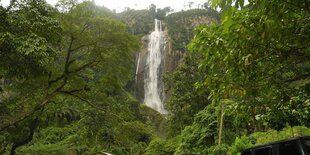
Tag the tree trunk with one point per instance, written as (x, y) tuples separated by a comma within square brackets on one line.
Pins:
[(254, 126), (221, 123), (28, 139)]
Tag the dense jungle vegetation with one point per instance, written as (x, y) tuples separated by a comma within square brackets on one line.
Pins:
[(66, 75)]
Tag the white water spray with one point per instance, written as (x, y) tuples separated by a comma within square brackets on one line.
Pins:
[(153, 89), (138, 64)]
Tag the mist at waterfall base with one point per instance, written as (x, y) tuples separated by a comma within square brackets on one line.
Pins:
[(153, 84)]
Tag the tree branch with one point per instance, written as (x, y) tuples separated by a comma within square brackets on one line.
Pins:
[(66, 67), (56, 80), (84, 28), (92, 105), (83, 67), (24, 116), (81, 46), (68, 55), (28, 139), (64, 76), (70, 91)]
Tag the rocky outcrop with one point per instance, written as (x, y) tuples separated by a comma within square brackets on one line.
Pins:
[(172, 57), (141, 68), (171, 61), (178, 31)]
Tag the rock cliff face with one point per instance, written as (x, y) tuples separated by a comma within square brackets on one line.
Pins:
[(182, 26), (170, 62), (172, 57), (140, 62)]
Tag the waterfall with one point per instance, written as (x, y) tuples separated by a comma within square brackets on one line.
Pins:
[(153, 85), (138, 64)]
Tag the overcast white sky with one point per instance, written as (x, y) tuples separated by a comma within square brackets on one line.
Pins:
[(119, 5)]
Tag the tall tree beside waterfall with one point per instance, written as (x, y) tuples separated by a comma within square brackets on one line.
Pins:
[(259, 59)]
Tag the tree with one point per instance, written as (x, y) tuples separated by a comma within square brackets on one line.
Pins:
[(181, 25), (77, 56), (139, 22), (168, 9), (25, 49), (190, 4), (256, 56), (206, 5), (152, 8), (80, 55), (184, 99)]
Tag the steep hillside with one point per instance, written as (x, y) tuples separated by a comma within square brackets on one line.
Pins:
[(139, 22), (181, 25)]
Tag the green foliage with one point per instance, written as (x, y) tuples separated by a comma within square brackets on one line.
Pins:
[(201, 136), (244, 142), (161, 13), (155, 119), (293, 112), (139, 22), (64, 71), (52, 140), (185, 100), (218, 149), (251, 66), (240, 144), (157, 146), (272, 135), (162, 147), (72, 97), (197, 137), (260, 138), (181, 25), (137, 131), (117, 130), (25, 48), (254, 57)]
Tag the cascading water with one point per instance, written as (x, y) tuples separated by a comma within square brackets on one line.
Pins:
[(153, 85), (138, 64)]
